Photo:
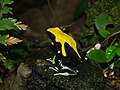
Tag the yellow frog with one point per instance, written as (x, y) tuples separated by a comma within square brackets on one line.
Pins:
[(67, 53)]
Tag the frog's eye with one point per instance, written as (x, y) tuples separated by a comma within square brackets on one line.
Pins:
[(64, 29)]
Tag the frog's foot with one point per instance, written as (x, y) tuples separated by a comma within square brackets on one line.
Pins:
[(49, 59), (54, 69), (70, 72), (66, 74), (63, 67)]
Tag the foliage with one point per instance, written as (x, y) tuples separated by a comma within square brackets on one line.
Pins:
[(101, 22), (111, 41), (10, 31), (110, 7), (102, 26)]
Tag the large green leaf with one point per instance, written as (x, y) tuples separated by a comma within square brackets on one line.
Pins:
[(102, 21), (97, 55), (110, 53), (82, 6), (104, 33), (7, 24)]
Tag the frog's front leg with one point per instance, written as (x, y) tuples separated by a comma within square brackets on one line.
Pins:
[(70, 72), (60, 68), (52, 60)]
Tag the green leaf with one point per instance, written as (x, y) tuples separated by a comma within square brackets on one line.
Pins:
[(2, 58), (102, 21), (104, 33), (7, 24), (6, 10), (118, 51), (97, 55), (8, 1), (117, 63), (3, 38), (116, 44), (9, 64), (82, 6), (110, 53)]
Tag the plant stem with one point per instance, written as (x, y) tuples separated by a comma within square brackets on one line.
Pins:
[(110, 37)]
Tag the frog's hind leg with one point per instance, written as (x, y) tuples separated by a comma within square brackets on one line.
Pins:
[(65, 74), (69, 72)]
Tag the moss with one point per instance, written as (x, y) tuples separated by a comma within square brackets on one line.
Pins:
[(90, 75), (110, 7)]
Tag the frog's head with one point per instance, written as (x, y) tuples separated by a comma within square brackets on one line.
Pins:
[(60, 39), (53, 33)]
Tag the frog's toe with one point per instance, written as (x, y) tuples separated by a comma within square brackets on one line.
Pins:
[(65, 74), (61, 74), (54, 69), (49, 59)]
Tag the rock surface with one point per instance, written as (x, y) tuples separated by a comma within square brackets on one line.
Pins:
[(90, 76), (35, 74), (17, 81)]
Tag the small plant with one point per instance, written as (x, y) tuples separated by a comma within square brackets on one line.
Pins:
[(108, 55), (10, 31), (110, 49)]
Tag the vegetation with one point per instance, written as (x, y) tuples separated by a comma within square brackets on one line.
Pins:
[(11, 54), (103, 26), (111, 41), (109, 7)]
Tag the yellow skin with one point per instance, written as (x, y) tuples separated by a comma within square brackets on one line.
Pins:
[(63, 38)]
